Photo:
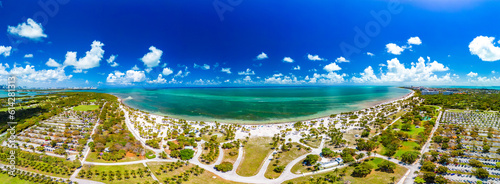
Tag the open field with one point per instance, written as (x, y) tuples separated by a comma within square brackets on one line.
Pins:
[(375, 177), (122, 169), (206, 178), (85, 107), (5, 178), (406, 146), (284, 159), (229, 158), (255, 151), (92, 157)]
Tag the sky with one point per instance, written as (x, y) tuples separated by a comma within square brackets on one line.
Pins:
[(68, 43)]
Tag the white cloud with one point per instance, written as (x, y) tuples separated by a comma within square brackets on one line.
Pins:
[(226, 70), (86, 81), (52, 63), (296, 68), (288, 60), (397, 73), (314, 58), (370, 54), (247, 72), (332, 67), (28, 74), (472, 74), (262, 56), (135, 67), (329, 78), (493, 72), (414, 41), (91, 59), (29, 29), (28, 56), (281, 79), (485, 48), (247, 79), (167, 71), (366, 75), (152, 58), (204, 67), (5, 51), (111, 61), (341, 60), (182, 74), (159, 80), (394, 49), (131, 76)]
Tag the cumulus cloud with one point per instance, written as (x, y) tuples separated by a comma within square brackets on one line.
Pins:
[(370, 54), (332, 67), (152, 58), (247, 79), (29, 74), (226, 70), (247, 72), (328, 78), (28, 56), (91, 59), (167, 71), (52, 63), (29, 29), (341, 60), (421, 71), (182, 74), (203, 67), (296, 68), (472, 74), (135, 67), (414, 41), (314, 58), (127, 78), (111, 61), (281, 79), (394, 49), (485, 48), (288, 60), (5, 51), (397, 50), (366, 75), (262, 56), (159, 80)]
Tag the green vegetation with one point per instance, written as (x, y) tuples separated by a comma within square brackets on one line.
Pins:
[(342, 175), (224, 166), (123, 174), (179, 172), (255, 151), (86, 107), (283, 158), (481, 100)]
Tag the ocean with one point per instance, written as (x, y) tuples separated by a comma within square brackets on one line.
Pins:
[(255, 105)]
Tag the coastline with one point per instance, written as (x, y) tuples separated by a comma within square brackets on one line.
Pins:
[(366, 105)]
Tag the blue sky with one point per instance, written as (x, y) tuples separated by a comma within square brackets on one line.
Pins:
[(68, 43)]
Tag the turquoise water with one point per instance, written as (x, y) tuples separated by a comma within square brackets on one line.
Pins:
[(255, 105)]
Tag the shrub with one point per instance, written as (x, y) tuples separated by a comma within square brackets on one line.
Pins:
[(224, 167)]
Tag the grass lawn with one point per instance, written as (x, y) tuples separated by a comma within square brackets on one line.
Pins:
[(375, 177), (313, 142), (414, 131), (60, 175), (456, 110), (92, 157), (6, 178), (406, 146), (229, 158), (206, 178), (300, 168), (85, 107), (285, 158), (220, 137), (115, 168), (255, 151)]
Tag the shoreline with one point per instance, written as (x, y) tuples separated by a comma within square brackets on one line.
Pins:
[(284, 121)]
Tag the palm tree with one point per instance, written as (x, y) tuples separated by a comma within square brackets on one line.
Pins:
[(393, 179)]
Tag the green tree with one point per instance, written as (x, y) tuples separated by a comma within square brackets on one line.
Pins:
[(224, 166), (481, 173), (311, 159), (387, 166), (410, 156), (186, 154), (362, 170)]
